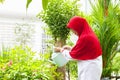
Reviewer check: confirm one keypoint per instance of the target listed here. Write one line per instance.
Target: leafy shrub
(57, 15)
(18, 64)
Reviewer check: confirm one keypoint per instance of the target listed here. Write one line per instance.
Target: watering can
(59, 59)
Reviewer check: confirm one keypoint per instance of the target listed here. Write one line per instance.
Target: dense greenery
(107, 26)
(18, 63)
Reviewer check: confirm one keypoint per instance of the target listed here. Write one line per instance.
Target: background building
(14, 16)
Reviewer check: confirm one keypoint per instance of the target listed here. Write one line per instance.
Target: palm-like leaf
(28, 3)
(44, 3)
(107, 29)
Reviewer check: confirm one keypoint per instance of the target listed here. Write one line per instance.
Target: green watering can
(59, 59)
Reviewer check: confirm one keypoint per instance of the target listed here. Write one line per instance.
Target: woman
(87, 50)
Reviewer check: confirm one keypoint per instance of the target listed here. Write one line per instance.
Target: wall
(8, 36)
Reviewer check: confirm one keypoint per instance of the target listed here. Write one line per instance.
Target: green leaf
(28, 2)
(1, 1)
(44, 4)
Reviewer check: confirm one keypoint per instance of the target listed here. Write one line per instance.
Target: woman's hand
(57, 49)
(66, 47)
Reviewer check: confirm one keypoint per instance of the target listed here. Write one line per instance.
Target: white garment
(67, 55)
(87, 69)
(90, 69)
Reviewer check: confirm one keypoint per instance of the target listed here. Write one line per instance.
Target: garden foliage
(18, 64)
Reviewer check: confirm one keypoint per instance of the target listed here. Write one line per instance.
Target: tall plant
(56, 16)
(106, 19)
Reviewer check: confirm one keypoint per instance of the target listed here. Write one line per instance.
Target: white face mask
(73, 38)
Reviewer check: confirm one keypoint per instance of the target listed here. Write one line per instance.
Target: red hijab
(87, 46)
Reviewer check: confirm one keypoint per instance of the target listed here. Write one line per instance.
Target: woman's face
(74, 32)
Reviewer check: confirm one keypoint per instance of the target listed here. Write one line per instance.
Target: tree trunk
(106, 5)
(61, 70)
